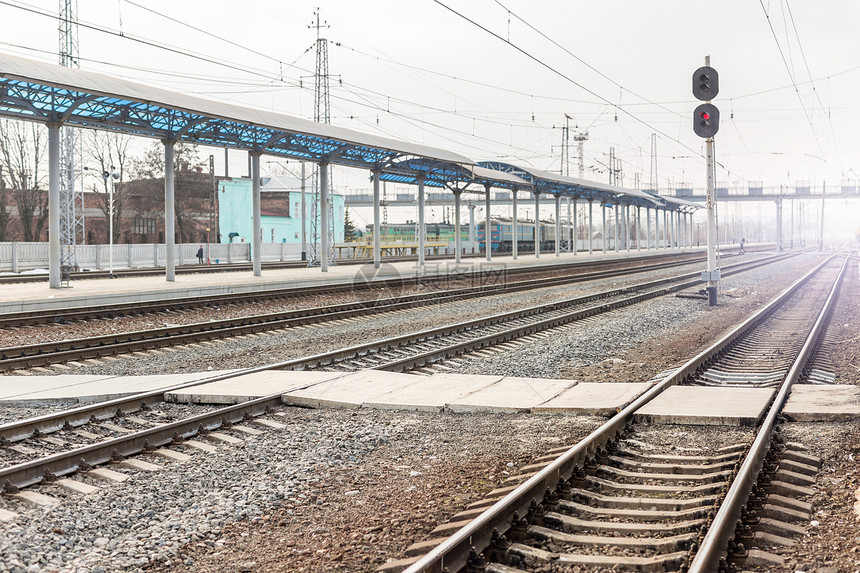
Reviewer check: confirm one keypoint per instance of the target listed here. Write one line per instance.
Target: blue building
(280, 210)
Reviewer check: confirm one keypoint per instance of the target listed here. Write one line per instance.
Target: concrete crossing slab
(432, 393)
(593, 398)
(14, 388)
(708, 406)
(511, 394)
(68, 388)
(823, 403)
(350, 390)
(249, 386)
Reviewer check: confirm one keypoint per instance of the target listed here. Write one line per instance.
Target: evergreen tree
(348, 226)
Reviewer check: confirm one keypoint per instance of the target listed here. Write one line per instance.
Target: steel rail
(64, 463)
(714, 544)
(297, 317)
(23, 429)
(89, 312)
(430, 356)
(453, 552)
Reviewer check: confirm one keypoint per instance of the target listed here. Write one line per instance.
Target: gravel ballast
(347, 490)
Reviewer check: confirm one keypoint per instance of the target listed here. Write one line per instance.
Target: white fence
(23, 257)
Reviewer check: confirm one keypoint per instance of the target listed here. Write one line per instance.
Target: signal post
(706, 123)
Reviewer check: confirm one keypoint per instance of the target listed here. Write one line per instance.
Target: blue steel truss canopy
(47, 93)
(455, 176)
(556, 184)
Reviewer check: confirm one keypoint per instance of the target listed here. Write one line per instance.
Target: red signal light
(706, 116)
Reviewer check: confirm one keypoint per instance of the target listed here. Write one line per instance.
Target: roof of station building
(48, 93)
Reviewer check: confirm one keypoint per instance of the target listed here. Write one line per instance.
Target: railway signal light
(706, 120)
(706, 83)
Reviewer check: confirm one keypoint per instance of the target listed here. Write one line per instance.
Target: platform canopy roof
(48, 93)
(557, 184)
(460, 177)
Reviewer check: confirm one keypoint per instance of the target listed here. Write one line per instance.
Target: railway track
(481, 277)
(483, 332)
(47, 353)
(618, 501)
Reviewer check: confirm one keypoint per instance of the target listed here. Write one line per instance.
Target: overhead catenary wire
(791, 76)
(565, 76)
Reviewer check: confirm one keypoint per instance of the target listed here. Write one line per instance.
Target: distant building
(280, 211)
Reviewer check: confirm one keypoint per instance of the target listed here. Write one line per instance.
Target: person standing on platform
(200, 255)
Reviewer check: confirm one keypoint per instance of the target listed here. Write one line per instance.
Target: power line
(564, 76)
(583, 62)
(790, 75)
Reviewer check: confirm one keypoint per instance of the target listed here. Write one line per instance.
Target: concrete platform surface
(72, 388)
(249, 386)
(823, 403)
(594, 398)
(708, 406)
(20, 297)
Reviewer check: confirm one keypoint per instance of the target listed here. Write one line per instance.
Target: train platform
(25, 297)
(374, 389)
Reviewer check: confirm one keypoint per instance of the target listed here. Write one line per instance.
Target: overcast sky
(418, 71)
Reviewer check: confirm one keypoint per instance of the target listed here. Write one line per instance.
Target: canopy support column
(169, 212)
(304, 215)
(488, 240)
(472, 232)
(537, 225)
(569, 226)
(256, 243)
(574, 236)
(648, 228)
(590, 226)
(666, 237)
(617, 229)
(377, 244)
(421, 227)
(54, 255)
(457, 237)
(515, 235)
(603, 212)
(690, 224)
(324, 222)
(638, 227)
(627, 227)
(558, 225)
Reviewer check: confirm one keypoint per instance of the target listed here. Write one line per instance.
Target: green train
(406, 232)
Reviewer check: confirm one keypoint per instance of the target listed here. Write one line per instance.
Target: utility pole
(322, 211)
(71, 200)
(612, 166)
(580, 139)
(565, 146)
(653, 183)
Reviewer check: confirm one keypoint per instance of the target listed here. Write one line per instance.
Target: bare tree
(187, 165)
(108, 153)
(4, 214)
(21, 155)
